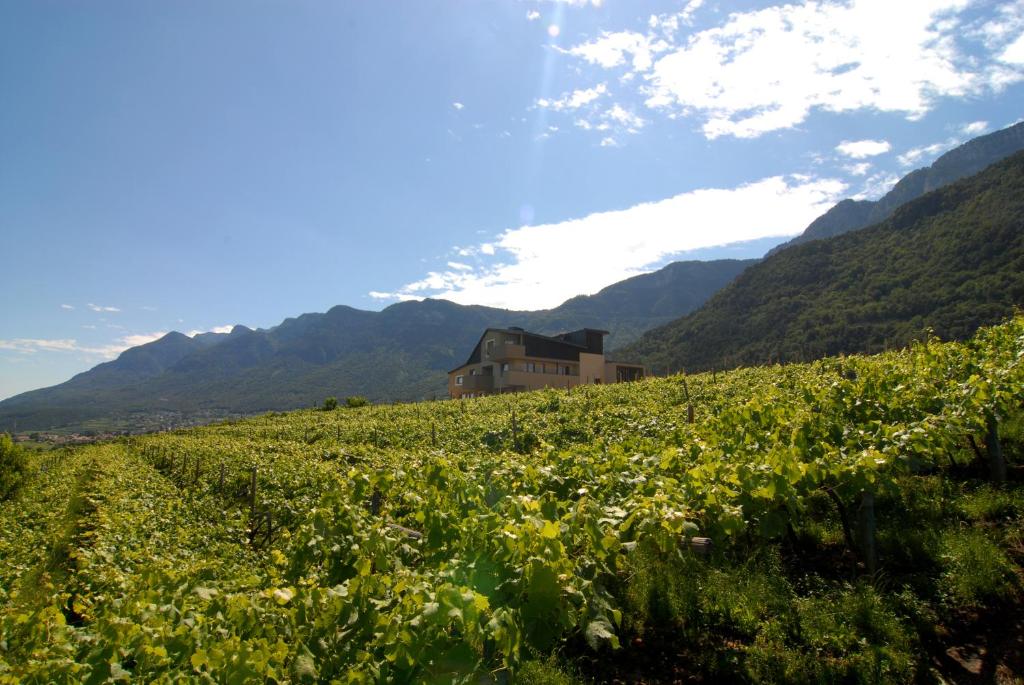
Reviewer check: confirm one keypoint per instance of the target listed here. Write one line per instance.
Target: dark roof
(564, 346)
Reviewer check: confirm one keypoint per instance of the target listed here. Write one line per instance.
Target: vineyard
(857, 519)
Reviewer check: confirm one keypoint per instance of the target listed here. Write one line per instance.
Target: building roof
(563, 346)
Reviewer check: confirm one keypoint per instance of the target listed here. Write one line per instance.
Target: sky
(190, 165)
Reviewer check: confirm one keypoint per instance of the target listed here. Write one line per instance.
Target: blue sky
(191, 165)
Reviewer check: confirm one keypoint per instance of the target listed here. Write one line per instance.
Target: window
(474, 372)
(504, 367)
(531, 367)
(489, 348)
(511, 340)
(458, 380)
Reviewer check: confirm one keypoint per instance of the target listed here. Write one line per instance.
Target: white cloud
(1014, 52)
(575, 99)
(615, 119)
(974, 128)
(33, 345)
(110, 351)
(141, 338)
(625, 118)
(767, 69)
(458, 105)
(66, 306)
(877, 185)
(608, 141)
(612, 49)
(543, 265)
(101, 308)
(860, 169)
(216, 329)
(862, 149)
(532, 15)
(460, 266)
(926, 153)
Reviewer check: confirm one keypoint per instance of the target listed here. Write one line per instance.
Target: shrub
(354, 401)
(330, 404)
(12, 466)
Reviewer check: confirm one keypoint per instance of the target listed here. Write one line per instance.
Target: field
(866, 519)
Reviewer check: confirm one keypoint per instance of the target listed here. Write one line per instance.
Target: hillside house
(514, 360)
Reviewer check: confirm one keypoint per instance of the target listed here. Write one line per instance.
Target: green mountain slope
(400, 353)
(958, 163)
(952, 260)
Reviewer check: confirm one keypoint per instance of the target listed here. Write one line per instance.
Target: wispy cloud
(926, 153)
(974, 128)
(101, 308)
(216, 329)
(575, 99)
(862, 149)
(458, 105)
(531, 271)
(66, 306)
(532, 15)
(72, 345)
(860, 169)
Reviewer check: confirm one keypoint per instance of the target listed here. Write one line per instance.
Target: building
(514, 360)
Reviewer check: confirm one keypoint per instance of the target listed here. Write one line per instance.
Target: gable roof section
(564, 346)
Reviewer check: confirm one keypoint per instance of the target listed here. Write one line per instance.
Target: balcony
(505, 351)
(477, 384)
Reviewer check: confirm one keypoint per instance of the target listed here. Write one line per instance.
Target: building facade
(514, 360)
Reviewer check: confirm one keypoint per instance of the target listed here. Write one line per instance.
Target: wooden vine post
(867, 531)
(996, 461)
(515, 431)
(689, 404)
(433, 434)
(220, 484)
(252, 503)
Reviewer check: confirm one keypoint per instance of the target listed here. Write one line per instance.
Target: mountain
(400, 353)
(951, 260)
(960, 162)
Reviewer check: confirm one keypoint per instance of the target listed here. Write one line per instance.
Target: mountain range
(937, 255)
(400, 353)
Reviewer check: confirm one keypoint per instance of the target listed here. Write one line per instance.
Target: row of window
(529, 367)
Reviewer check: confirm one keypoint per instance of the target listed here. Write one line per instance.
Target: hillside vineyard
(464, 541)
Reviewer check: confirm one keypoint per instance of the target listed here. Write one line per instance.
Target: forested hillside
(950, 261)
(960, 162)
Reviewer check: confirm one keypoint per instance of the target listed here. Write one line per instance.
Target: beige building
(514, 360)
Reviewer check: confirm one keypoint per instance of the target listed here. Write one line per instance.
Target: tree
(330, 404)
(356, 401)
(12, 466)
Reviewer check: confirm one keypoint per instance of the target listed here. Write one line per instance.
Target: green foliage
(330, 404)
(431, 543)
(354, 401)
(12, 466)
(976, 571)
(852, 634)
